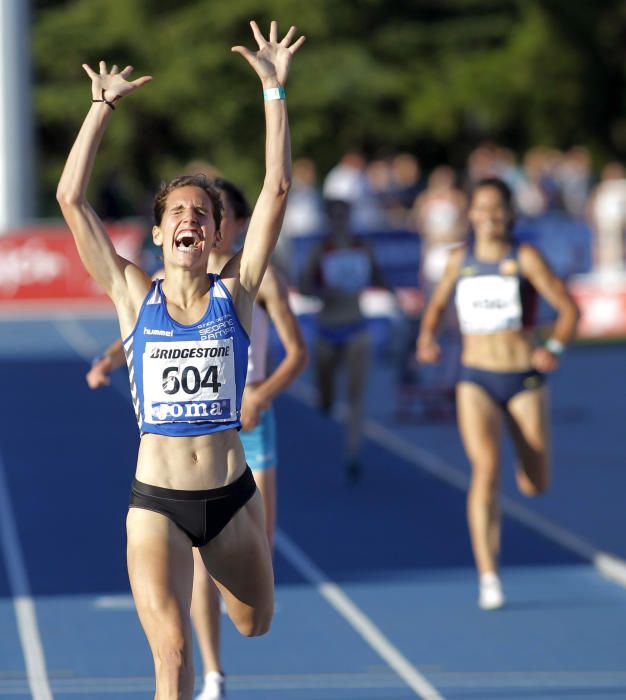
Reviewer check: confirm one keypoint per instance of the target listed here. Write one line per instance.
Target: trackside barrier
(40, 267)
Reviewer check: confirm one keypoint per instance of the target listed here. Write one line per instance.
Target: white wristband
(556, 347)
(274, 93)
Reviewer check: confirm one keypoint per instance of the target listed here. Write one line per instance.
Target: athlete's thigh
(239, 558)
(480, 425)
(201, 578)
(160, 568)
(527, 418)
(357, 362)
(327, 358)
(266, 482)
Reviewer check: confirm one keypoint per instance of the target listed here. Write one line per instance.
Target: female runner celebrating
(258, 434)
(186, 343)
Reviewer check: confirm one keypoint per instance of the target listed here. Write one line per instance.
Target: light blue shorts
(259, 444)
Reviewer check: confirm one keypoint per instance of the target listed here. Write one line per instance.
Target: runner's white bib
(489, 303)
(192, 380)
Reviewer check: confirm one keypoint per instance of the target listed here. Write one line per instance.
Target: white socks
(213, 688)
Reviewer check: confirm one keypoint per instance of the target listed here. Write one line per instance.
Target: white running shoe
(213, 688)
(490, 596)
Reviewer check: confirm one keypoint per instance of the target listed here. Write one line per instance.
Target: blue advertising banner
(564, 242)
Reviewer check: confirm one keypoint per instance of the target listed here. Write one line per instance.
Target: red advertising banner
(40, 265)
(602, 303)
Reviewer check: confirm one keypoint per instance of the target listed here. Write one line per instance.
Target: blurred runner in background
(502, 380)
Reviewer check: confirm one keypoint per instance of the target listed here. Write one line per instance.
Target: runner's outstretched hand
(114, 84)
(273, 59)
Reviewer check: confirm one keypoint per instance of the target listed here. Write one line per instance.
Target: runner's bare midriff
(190, 463)
(504, 351)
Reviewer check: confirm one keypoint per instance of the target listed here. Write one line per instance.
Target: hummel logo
(157, 331)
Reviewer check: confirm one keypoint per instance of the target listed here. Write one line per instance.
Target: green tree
(429, 76)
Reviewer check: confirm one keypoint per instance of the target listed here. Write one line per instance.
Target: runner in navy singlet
(502, 375)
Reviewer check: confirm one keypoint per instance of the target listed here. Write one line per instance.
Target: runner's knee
(533, 483)
(252, 622)
(533, 476)
(173, 661)
(485, 478)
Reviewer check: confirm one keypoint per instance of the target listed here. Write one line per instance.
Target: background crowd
(393, 193)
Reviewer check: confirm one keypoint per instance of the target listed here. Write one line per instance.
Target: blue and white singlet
(187, 380)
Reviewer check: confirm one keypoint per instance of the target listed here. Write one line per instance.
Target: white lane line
(121, 601)
(536, 680)
(124, 601)
(76, 336)
(87, 686)
(356, 618)
(610, 566)
(567, 682)
(25, 614)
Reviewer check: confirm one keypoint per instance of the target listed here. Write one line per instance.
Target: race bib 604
(189, 381)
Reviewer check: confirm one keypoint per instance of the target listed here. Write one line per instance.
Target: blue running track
(376, 591)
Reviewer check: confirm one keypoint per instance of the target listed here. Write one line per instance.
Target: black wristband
(106, 102)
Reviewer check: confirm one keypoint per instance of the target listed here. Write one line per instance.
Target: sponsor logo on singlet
(158, 331)
(490, 303)
(216, 329)
(184, 353)
(192, 411)
(508, 267)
